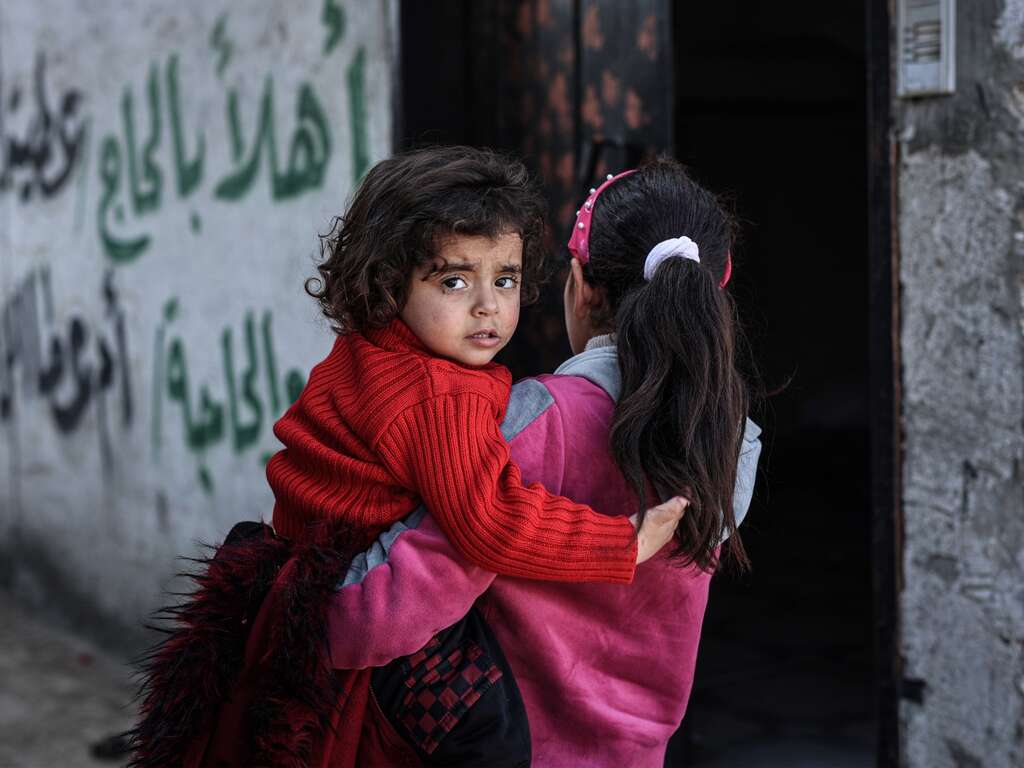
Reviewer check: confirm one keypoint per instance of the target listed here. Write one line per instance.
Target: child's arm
(450, 450)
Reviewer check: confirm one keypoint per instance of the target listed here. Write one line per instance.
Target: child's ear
(580, 291)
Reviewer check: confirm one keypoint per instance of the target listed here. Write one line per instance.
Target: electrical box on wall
(927, 47)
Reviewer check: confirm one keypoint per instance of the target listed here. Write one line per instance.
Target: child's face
(465, 304)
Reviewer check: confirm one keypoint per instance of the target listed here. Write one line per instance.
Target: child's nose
(487, 301)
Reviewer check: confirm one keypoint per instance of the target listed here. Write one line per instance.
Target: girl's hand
(660, 523)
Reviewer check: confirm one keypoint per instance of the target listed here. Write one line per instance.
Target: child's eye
(454, 283)
(506, 282)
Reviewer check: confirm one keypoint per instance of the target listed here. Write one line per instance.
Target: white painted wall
(153, 324)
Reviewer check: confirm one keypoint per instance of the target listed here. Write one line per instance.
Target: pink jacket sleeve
(415, 586)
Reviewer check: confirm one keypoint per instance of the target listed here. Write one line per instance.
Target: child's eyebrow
(449, 266)
(468, 266)
(457, 266)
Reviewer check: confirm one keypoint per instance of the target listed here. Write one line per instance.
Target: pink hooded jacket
(605, 671)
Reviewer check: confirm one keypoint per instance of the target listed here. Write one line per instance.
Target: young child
(422, 282)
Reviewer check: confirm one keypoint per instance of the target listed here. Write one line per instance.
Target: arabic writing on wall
(157, 150)
(132, 177)
(253, 393)
(70, 366)
(41, 157)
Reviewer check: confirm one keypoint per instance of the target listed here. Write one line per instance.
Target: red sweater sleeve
(449, 449)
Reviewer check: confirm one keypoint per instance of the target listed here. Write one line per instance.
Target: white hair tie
(682, 247)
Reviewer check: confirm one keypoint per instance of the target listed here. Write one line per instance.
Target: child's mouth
(485, 338)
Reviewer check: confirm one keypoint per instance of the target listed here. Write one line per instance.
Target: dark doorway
(771, 110)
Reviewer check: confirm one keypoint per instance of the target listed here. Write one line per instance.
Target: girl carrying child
(422, 282)
(605, 672)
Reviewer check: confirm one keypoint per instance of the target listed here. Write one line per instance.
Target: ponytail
(680, 417)
(678, 425)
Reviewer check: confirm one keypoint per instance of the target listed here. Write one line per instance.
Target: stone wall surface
(164, 171)
(961, 233)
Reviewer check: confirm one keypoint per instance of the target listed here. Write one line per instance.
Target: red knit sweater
(383, 425)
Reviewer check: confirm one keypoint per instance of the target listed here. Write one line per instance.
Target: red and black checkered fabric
(456, 701)
(442, 689)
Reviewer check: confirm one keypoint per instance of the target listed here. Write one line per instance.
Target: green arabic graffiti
(246, 409)
(118, 249)
(206, 427)
(245, 434)
(189, 172)
(220, 43)
(333, 18)
(308, 154)
(127, 153)
(145, 186)
(356, 77)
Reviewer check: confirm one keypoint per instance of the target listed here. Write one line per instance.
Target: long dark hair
(401, 210)
(678, 425)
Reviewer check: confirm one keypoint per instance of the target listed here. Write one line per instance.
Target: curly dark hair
(403, 208)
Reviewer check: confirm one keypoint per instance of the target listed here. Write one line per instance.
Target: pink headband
(579, 243)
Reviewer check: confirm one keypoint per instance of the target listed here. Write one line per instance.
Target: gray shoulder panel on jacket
(377, 554)
(599, 366)
(529, 399)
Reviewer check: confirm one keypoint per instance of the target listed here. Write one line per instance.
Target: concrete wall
(164, 171)
(961, 230)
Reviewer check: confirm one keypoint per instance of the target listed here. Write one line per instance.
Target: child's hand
(660, 523)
